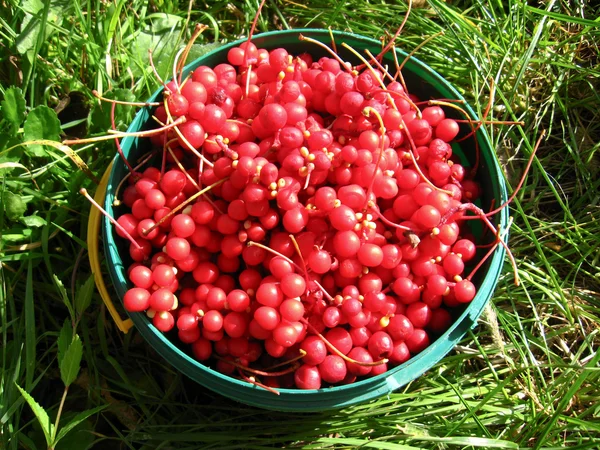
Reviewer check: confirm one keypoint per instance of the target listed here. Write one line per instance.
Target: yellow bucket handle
(93, 236)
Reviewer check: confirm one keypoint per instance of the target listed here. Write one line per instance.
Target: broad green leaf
(162, 37)
(199, 50)
(84, 296)
(73, 423)
(65, 297)
(13, 108)
(8, 237)
(12, 156)
(31, 26)
(64, 340)
(41, 123)
(14, 206)
(71, 362)
(33, 221)
(40, 414)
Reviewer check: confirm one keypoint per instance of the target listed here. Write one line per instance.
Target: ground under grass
(526, 376)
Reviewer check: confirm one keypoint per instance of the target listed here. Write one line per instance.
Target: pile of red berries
(305, 225)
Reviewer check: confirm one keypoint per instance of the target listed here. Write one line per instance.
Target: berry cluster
(306, 225)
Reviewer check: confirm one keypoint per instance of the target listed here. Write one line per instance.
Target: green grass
(527, 376)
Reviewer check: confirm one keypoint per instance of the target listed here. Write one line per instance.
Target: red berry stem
(183, 205)
(385, 220)
(473, 130)
(485, 113)
(261, 373)
(390, 44)
(189, 146)
(398, 72)
(447, 100)
(145, 159)
(367, 112)
(301, 269)
(84, 192)
(99, 96)
(252, 28)
(334, 349)
(487, 255)
(198, 30)
(251, 380)
(418, 47)
(333, 53)
(522, 180)
(118, 134)
(117, 143)
(289, 361)
(158, 77)
(383, 70)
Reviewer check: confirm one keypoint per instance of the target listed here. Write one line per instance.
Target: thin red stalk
(304, 269)
(398, 71)
(414, 161)
(522, 180)
(510, 255)
(493, 247)
(334, 349)
(333, 46)
(189, 146)
(185, 172)
(84, 192)
(398, 31)
(261, 373)
(183, 205)
(289, 361)
(389, 222)
(252, 28)
(418, 47)
(378, 64)
(301, 269)
(158, 77)
(197, 32)
(488, 122)
(447, 100)
(329, 50)
(256, 383)
(117, 143)
(120, 185)
(122, 102)
(402, 95)
(112, 135)
(473, 130)
(382, 130)
(175, 64)
(485, 113)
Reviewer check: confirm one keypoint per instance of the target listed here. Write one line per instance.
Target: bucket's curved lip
(474, 309)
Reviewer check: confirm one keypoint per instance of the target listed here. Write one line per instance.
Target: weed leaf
(71, 361)
(41, 123)
(64, 340)
(14, 206)
(77, 420)
(65, 297)
(13, 108)
(40, 414)
(84, 296)
(33, 221)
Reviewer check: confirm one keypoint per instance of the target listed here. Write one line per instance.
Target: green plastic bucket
(421, 81)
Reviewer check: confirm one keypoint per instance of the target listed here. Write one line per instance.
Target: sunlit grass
(526, 376)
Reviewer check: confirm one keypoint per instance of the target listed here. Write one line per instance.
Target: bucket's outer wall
(421, 81)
